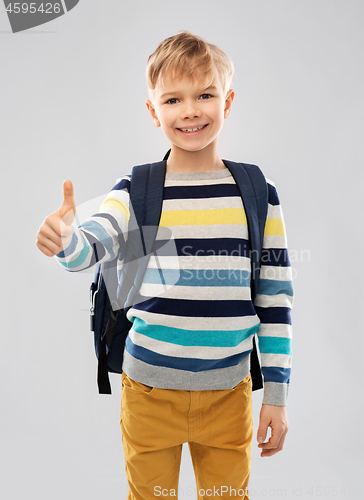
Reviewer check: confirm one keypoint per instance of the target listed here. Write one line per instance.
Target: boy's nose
(190, 111)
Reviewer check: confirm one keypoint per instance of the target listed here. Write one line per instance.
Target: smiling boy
(182, 105)
(186, 371)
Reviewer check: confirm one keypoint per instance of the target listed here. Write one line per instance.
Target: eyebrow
(212, 87)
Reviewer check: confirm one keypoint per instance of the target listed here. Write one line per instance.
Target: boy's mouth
(192, 130)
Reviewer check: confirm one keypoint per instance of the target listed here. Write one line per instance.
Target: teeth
(192, 129)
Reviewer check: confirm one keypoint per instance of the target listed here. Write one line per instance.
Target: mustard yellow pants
(217, 425)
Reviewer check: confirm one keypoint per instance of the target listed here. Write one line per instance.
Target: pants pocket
(134, 387)
(243, 383)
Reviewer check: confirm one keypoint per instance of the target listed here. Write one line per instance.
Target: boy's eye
(174, 99)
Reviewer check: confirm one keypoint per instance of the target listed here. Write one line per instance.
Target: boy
(186, 361)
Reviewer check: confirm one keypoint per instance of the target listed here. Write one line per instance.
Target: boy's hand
(56, 230)
(276, 418)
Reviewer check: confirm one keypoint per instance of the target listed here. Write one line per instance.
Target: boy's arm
(103, 236)
(273, 305)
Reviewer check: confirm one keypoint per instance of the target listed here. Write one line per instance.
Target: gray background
(72, 103)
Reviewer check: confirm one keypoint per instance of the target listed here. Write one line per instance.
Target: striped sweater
(194, 319)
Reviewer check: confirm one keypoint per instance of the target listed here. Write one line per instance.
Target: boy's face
(183, 105)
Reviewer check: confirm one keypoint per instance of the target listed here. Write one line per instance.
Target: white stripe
(276, 273)
(194, 323)
(126, 177)
(275, 330)
(274, 212)
(276, 241)
(210, 231)
(119, 194)
(229, 179)
(198, 262)
(279, 300)
(202, 203)
(196, 292)
(282, 360)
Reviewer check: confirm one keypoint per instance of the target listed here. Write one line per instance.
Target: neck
(204, 160)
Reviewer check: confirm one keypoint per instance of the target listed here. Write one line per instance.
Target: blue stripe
(275, 257)
(152, 276)
(189, 364)
(80, 259)
(195, 308)
(101, 234)
(276, 374)
(274, 314)
(200, 191)
(199, 277)
(71, 248)
(112, 221)
(98, 250)
(118, 230)
(179, 336)
(123, 184)
(274, 287)
(234, 247)
(272, 195)
(275, 345)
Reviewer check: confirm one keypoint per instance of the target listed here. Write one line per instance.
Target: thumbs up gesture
(56, 230)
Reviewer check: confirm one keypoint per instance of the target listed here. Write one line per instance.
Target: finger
(263, 429)
(68, 194)
(269, 453)
(278, 428)
(273, 441)
(273, 451)
(68, 207)
(44, 249)
(51, 229)
(51, 245)
(52, 240)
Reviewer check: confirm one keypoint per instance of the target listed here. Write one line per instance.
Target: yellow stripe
(203, 217)
(118, 205)
(274, 227)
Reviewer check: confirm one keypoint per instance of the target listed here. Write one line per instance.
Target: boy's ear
(228, 102)
(152, 112)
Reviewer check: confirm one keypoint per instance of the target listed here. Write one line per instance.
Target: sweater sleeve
(273, 304)
(101, 237)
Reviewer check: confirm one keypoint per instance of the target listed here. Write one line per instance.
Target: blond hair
(188, 55)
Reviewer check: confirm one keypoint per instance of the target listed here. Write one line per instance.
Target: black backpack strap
(260, 189)
(258, 186)
(103, 380)
(254, 192)
(146, 198)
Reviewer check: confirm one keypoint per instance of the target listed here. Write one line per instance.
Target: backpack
(110, 306)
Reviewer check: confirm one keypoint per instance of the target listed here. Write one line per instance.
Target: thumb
(263, 429)
(68, 207)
